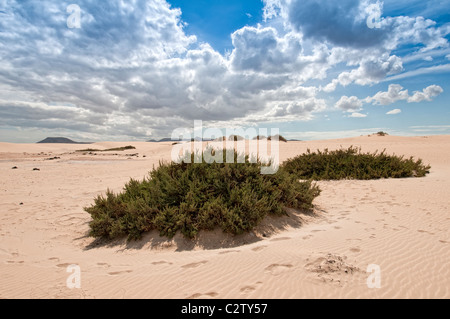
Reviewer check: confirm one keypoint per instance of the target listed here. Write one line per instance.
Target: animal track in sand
(277, 269)
(259, 248)
(116, 273)
(194, 265)
(204, 296)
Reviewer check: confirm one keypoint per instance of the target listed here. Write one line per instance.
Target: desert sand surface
(400, 225)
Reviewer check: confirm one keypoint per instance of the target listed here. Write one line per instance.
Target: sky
(137, 70)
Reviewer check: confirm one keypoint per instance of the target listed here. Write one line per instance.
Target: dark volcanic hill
(160, 141)
(58, 140)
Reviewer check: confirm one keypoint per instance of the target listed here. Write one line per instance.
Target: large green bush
(351, 163)
(193, 197)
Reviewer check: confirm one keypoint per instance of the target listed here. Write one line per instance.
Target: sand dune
(400, 225)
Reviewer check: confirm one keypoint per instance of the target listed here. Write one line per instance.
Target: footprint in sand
(54, 259)
(259, 248)
(317, 230)
(444, 242)
(156, 263)
(70, 220)
(194, 265)
(250, 288)
(355, 250)
(15, 262)
(63, 265)
(247, 289)
(104, 265)
(277, 269)
(204, 296)
(116, 273)
(337, 227)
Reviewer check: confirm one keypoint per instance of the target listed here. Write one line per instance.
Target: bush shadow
(212, 240)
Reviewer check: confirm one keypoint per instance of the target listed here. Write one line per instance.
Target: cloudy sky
(138, 69)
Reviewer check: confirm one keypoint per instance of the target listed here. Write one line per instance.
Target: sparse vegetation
(189, 198)
(117, 149)
(382, 134)
(235, 138)
(260, 137)
(280, 138)
(351, 163)
(194, 197)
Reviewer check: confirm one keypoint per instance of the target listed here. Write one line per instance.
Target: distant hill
(176, 140)
(161, 141)
(59, 140)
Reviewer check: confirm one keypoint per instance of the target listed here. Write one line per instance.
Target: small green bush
(351, 163)
(280, 138)
(193, 197)
(236, 138)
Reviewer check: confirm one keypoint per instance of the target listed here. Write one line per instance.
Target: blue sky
(314, 69)
(213, 21)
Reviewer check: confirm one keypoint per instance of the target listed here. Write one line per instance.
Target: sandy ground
(402, 226)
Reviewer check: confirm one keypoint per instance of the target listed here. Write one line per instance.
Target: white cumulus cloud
(349, 104)
(358, 115)
(396, 93)
(394, 112)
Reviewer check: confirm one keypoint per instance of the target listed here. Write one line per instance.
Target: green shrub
(280, 138)
(353, 164)
(193, 197)
(236, 138)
